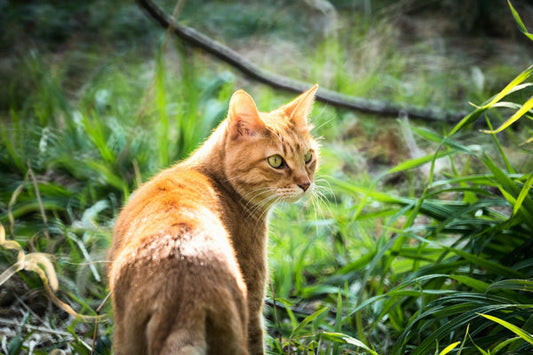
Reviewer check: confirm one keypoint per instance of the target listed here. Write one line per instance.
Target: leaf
(483, 352)
(528, 105)
(414, 163)
(487, 264)
(521, 333)
(475, 284)
(512, 284)
(506, 91)
(15, 345)
(519, 22)
(528, 141)
(503, 344)
(523, 194)
(449, 348)
(348, 340)
(307, 320)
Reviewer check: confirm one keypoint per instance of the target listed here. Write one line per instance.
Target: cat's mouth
(293, 194)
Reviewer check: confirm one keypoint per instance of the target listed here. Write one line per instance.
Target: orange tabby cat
(188, 256)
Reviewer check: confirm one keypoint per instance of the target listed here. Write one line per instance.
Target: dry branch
(255, 72)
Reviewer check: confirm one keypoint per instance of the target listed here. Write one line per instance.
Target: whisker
(323, 124)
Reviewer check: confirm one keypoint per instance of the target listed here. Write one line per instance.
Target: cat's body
(188, 256)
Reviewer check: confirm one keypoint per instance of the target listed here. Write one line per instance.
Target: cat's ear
(299, 109)
(243, 116)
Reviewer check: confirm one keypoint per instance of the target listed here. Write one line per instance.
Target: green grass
(437, 263)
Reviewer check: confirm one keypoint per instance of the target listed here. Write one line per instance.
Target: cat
(189, 262)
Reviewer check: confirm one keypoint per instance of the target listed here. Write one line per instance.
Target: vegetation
(397, 253)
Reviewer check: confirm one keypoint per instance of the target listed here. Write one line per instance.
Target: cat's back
(172, 254)
(175, 196)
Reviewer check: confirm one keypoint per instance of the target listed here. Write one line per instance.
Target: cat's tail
(184, 342)
(209, 332)
(184, 338)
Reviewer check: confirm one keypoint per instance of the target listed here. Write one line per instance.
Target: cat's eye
(275, 161)
(308, 156)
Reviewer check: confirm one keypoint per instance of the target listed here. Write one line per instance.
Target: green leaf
(521, 333)
(483, 352)
(506, 91)
(15, 345)
(504, 343)
(307, 320)
(487, 264)
(523, 194)
(414, 163)
(512, 284)
(528, 105)
(510, 87)
(346, 339)
(449, 348)
(519, 22)
(475, 284)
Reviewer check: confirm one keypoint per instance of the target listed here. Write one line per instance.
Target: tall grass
(442, 266)
(446, 269)
(66, 167)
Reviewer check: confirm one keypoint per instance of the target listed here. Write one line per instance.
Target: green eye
(308, 156)
(275, 161)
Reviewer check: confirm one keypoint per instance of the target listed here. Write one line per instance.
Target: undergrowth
(442, 264)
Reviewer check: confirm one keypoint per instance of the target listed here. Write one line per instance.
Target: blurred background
(96, 97)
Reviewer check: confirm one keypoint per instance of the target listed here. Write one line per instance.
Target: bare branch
(255, 72)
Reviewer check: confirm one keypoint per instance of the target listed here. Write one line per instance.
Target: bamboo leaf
(509, 88)
(528, 141)
(512, 284)
(449, 348)
(414, 163)
(506, 91)
(523, 194)
(487, 264)
(519, 22)
(307, 320)
(348, 340)
(521, 333)
(504, 343)
(528, 105)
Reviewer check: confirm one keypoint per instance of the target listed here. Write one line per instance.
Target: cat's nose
(304, 185)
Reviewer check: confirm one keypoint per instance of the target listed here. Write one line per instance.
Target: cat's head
(271, 157)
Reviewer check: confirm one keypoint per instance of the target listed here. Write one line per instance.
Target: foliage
(441, 264)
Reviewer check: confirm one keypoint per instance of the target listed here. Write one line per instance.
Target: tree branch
(255, 72)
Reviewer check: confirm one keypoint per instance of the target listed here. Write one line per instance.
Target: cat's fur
(188, 256)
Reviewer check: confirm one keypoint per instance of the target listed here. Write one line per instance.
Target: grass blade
(519, 22)
(512, 284)
(507, 90)
(307, 320)
(521, 333)
(523, 194)
(528, 105)
(348, 340)
(449, 348)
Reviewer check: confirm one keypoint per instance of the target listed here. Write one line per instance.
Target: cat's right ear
(243, 116)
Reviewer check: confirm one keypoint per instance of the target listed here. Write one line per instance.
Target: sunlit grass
(366, 267)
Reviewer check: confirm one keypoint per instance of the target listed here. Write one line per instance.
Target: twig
(41, 207)
(275, 310)
(86, 255)
(255, 72)
(300, 310)
(34, 327)
(98, 310)
(12, 201)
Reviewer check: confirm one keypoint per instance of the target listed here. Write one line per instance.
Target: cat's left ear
(299, 109)
(244, 118)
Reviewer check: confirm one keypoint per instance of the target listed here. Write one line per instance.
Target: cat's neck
(209, 160)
